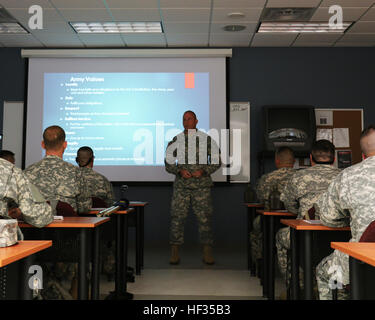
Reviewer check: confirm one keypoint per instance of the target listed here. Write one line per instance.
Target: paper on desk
(313, 221)
(58, 218)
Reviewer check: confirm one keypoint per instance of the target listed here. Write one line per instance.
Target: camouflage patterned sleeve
(35, 210)
(260, 188)
(171, 154)
(289, 196)
(213, 152)
(110, 197)
(331, 205)
(83, 199)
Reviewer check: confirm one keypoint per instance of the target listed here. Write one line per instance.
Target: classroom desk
(139, 207)
(305, 230)
(361, 254)
(268, 225)
(251, 208)
(22, 250)
(84, 224)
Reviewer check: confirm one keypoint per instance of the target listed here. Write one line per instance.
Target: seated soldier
(8, 155)
(349, 200)
(302, 191)
(284, 161)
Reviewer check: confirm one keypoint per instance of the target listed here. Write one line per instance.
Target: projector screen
(125, 109)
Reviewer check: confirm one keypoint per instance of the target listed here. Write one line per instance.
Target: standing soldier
(349, 200)
(302, 191)
(198, 156)
(284, 162)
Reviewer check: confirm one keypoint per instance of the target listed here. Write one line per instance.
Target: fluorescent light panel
(301, 27)
(116, 27)
(11, 27)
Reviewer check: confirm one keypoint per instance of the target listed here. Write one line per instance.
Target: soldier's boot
(74, 288)
(207, 255)
(175, 259)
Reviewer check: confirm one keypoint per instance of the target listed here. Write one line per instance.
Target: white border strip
(125, 53)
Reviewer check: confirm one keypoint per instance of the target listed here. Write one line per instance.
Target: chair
(98, 203)
(367, 236)
(65, 209)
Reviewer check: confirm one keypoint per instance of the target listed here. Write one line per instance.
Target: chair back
(65, 209)
(98, 203)
(369, 234)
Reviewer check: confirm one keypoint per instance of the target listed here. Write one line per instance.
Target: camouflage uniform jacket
(350, 198)
(268, 181)
(305, 187)
(99, 186)
(181, 154)
(14, 185)
(59, 180)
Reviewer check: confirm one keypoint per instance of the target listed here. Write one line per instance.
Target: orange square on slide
(189, 80)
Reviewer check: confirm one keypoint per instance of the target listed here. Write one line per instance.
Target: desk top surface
(138, 203)
(284, 213)
(364, 251)
(72, 222)
(21, 250)
(254, 205)
(303, 225)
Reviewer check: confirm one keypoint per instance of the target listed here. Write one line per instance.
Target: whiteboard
(239, 118)
(13, 129)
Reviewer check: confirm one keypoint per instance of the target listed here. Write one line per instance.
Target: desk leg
(295, 264)
(265, 256)
(142, 230)
(356, 291)
(82, 267)
(124, 264)
(250, 262)
(308, 272)
(26, 292)
(95, 265)
(271, 258)
(118, 255)
(138, 241)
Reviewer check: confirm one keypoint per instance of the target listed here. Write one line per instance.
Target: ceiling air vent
(287, 14)
(5, 16)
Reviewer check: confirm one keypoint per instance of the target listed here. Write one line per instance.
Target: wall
(322, 77)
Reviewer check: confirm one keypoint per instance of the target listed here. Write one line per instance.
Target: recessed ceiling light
(11, 27)
(117, 27)
(234, 27)
(236, 15)
(301, 27)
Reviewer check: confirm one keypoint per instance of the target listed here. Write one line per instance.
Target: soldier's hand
(185, 174)
(198, 173)
(15, 213)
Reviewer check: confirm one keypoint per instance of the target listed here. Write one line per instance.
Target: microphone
(121, 204)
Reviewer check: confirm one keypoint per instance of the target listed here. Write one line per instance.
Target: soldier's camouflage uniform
(277, 178)
(100, 187)
(203, 154)
(349, 200)
(298, 196)
(59, 180)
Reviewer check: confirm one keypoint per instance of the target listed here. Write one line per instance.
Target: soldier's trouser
(333, 273)
(256, 239)
(201, 202)
(283, 245)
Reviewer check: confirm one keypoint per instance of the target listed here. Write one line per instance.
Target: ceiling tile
(362, 27)
(239, 4)
(23, 16)
(132, 4)
(135, 14)
(347, 3)
(223, 39)
(218, 28)
(173, 27)
(185, 4)
(355, 44)
(358, 37)
(86, 15)
(61, 4)
(313, 44)
(292, 3)
(59, 40)
(250, 14)
(19, 41)
(349, 14)
(25, 3)
(369, 15)
(101, 40)
(189, 40)
(272, 40)
(145, 40)
(318, 37)
(180, 15)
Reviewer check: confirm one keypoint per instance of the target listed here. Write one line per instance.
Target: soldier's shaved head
(53, 138)
(367, 141)
(285, 156)
(85, 156)
(323, 151)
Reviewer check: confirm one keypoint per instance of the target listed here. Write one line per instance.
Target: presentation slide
(125, 109)
(126, 118)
